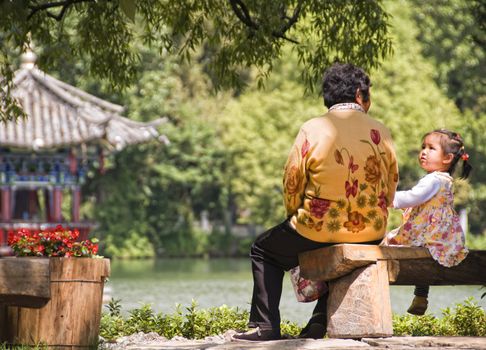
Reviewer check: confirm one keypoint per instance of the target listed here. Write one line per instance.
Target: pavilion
(67, 133)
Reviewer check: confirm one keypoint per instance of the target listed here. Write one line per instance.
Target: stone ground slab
(153, 341)
(429, 342)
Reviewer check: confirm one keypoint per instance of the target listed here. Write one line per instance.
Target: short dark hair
(341, 81)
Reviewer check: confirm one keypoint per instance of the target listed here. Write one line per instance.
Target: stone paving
(153, 341)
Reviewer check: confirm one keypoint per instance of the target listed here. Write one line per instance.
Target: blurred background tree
(227, 148)
(235, 35)
(453, 37)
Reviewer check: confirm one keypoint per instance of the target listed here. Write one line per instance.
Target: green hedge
(465, 319)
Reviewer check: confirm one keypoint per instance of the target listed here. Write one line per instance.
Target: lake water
(164, 283)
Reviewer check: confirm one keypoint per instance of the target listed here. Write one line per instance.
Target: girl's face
(432, 157)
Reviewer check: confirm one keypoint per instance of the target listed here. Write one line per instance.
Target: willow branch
(241, 11)
(64, 4)
(292, 20)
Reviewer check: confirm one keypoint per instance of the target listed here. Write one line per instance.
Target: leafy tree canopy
(234, 35)
(453, 34)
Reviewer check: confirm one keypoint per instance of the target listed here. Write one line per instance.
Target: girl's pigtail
(466, 167)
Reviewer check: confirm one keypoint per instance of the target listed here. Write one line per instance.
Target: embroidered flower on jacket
(378, 224)
(339, 157)
(382, 203)
(333, 213)
(372, 170)
(319, 207)
(305, 148)
(356, 222)
(333, 226)
(292, 180)
(375, 136)
(353, 167)
(361, 201)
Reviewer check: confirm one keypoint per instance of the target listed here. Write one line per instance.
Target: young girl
(429, 219)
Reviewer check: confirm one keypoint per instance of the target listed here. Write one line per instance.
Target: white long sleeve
(424, 190)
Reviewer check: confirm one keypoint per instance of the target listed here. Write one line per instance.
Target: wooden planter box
(70, 315)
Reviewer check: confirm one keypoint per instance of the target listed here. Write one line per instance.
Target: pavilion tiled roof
(60, 115)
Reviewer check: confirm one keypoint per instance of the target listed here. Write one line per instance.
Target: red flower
(305, 148)
(351, 189)
(319, 207)
(351, 166)
(375, 136)
(54, 242)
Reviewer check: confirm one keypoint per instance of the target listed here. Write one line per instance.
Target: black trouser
(421, 291)
(274, 252)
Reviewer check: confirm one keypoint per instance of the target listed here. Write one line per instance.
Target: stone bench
(359, 277)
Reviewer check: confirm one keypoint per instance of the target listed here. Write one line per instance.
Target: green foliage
(112, 323)
(476, 241)
(475, 139)
(453, 36)
(227, 149)
(466, 319)
(398, 97)
(235, 35)
(288, 328)
(227, 152)
(418, 326)
(134, 246)
(194, 323)
(258, 131)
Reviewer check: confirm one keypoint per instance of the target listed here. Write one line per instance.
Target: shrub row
(465, 319)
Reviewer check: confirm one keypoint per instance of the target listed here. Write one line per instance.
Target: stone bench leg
(359, 304)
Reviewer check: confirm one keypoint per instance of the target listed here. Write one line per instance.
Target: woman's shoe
(257, 334)
(313, 331)
(419, 305)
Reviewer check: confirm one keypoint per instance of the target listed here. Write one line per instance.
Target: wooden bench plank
(339, 260)
(24, 281)
(335, 261)
(471, 271)
(409, 264)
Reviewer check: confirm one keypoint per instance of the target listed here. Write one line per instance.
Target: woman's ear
(358, 97)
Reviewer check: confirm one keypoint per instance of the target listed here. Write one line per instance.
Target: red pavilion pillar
(6, 212)
(76, 193)
(6, 204)
(57, 201)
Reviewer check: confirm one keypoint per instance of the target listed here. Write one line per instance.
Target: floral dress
(433, 224)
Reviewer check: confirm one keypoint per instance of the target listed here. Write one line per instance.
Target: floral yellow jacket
(340, 177)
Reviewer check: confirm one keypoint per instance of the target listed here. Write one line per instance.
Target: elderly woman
(340, 177)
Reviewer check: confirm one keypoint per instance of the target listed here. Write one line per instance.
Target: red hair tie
(465, 157)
